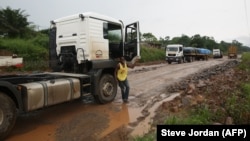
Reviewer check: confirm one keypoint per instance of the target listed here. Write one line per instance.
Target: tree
(13, 23)
(185, 40)
(236, 43)
(164, 41)
(196, 41)
(149, 37)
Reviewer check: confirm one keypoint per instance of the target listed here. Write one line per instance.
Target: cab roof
(88, 15)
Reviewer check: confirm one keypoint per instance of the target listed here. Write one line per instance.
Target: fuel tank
(41, 94)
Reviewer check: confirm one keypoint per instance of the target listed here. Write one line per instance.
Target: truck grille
(171, 54)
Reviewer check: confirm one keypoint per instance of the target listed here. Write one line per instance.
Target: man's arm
(130, 65)
(133, 62)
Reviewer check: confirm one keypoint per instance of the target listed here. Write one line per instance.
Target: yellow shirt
(122, 72)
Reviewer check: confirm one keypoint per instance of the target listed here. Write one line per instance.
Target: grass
(238, 105)
(149, 54)
(245, 64)
(32, 51)
(200, 115)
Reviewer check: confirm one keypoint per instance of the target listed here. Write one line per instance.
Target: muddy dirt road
(85, 120)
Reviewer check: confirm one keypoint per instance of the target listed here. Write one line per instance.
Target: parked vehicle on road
(232, 52)
(179, 53)
(174, 53)
(202, 53)
(189, 54)
(217, 53)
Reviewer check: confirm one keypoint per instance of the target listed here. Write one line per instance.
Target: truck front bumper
(173, 59)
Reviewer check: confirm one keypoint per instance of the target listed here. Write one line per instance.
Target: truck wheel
(108, 89)
(180, 61)
(8, 115)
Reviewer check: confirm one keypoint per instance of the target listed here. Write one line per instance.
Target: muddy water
(73, 121)
(80, 121)
(144, 125)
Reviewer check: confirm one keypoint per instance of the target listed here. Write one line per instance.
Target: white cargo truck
(174, 53)
(179, 53)
(82, 52)
(217, 53)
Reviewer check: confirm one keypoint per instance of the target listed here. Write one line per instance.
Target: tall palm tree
(13, 22)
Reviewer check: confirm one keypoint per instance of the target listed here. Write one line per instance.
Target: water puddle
(81, 121)
(135, 117)
(145, 125)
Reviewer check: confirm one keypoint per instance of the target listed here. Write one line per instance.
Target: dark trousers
(124, 85)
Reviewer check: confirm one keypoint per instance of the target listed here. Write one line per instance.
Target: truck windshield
(172, 49)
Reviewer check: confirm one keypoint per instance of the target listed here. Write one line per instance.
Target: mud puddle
(81, 121)
(145, 121)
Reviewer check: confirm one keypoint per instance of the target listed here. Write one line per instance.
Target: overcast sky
(225, 20)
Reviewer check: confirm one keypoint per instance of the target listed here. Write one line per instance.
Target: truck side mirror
(180, 49)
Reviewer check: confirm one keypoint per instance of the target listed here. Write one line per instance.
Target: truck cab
(90, 43)
(174, 53)
(217, 53)
(84, 41)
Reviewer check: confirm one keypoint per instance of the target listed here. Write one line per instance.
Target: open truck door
(132, 41)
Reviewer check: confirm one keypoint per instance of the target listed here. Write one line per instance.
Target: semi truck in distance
(232, 52)
(83, 52)
(217, 53)
(202, 54)
(174, 53)
(178, 53)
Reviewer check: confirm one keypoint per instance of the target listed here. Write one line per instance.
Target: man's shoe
(125, 100)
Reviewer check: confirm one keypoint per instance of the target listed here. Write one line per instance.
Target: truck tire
(180, 61)
(8, 115)
(108, 89)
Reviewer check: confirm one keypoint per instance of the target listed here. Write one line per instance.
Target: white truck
(179, 53)
(174, 53)
(82, 52)
(217, 53)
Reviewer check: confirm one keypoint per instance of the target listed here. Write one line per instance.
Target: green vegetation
(245, 64)
(34, 54)
(151, 54)
(148, 137)
(200, 115)
(194, 41)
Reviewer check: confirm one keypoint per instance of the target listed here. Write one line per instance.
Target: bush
(245, 64)
(31, 52)
(151, 54)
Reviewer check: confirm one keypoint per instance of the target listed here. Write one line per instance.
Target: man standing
(121, 74)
